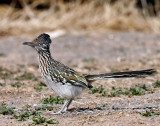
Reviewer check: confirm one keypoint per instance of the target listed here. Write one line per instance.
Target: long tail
(92, 77)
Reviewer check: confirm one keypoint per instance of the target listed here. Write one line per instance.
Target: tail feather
(128, 74)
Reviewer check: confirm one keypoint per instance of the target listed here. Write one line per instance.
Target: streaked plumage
(65, 81)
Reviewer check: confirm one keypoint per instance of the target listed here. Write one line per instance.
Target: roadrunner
(65, 81)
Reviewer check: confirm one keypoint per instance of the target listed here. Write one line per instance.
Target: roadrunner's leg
(64, 107)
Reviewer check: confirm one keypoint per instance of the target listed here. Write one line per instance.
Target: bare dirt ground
(94, 53)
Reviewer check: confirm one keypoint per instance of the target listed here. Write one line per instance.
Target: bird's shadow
(86, 109)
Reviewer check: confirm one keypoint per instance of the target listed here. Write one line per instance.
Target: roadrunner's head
(41, 43)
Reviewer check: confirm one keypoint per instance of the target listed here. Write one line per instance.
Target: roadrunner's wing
(64, 74)
(71, 77)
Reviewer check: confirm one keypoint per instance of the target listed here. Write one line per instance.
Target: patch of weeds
(44, 107)
(115, 92)
(89, 60)
(42, 84)
(42, 120)
(16, 84)
(100, 90)
(6, 110)
(36, 118)
(139, 90)
(52, 100)
(156, 84)
(26, 115)
(27, 76)
(39, 86)
(5, 73)
(134, 90)
(94, 90)
(149, 113)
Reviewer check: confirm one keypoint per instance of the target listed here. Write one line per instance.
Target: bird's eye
(41, 44)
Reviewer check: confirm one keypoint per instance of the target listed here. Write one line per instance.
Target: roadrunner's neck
(44, 58)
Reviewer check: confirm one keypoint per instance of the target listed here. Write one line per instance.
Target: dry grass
(97, 15)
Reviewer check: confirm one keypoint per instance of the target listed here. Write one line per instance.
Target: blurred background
(32, 16)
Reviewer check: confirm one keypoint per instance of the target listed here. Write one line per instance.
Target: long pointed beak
(29, 44)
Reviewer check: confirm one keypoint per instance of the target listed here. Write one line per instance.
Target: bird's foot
(58, 113)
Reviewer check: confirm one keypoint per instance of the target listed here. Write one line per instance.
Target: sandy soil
(109, 52)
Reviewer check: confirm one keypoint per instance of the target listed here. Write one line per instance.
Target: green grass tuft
(42, 84)
(42, 120)
(26, 115)
(94, 90)
(149, 113)
(6, 110)
(134, 90)
(156, 84)
(52, 100)
(36, 118)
